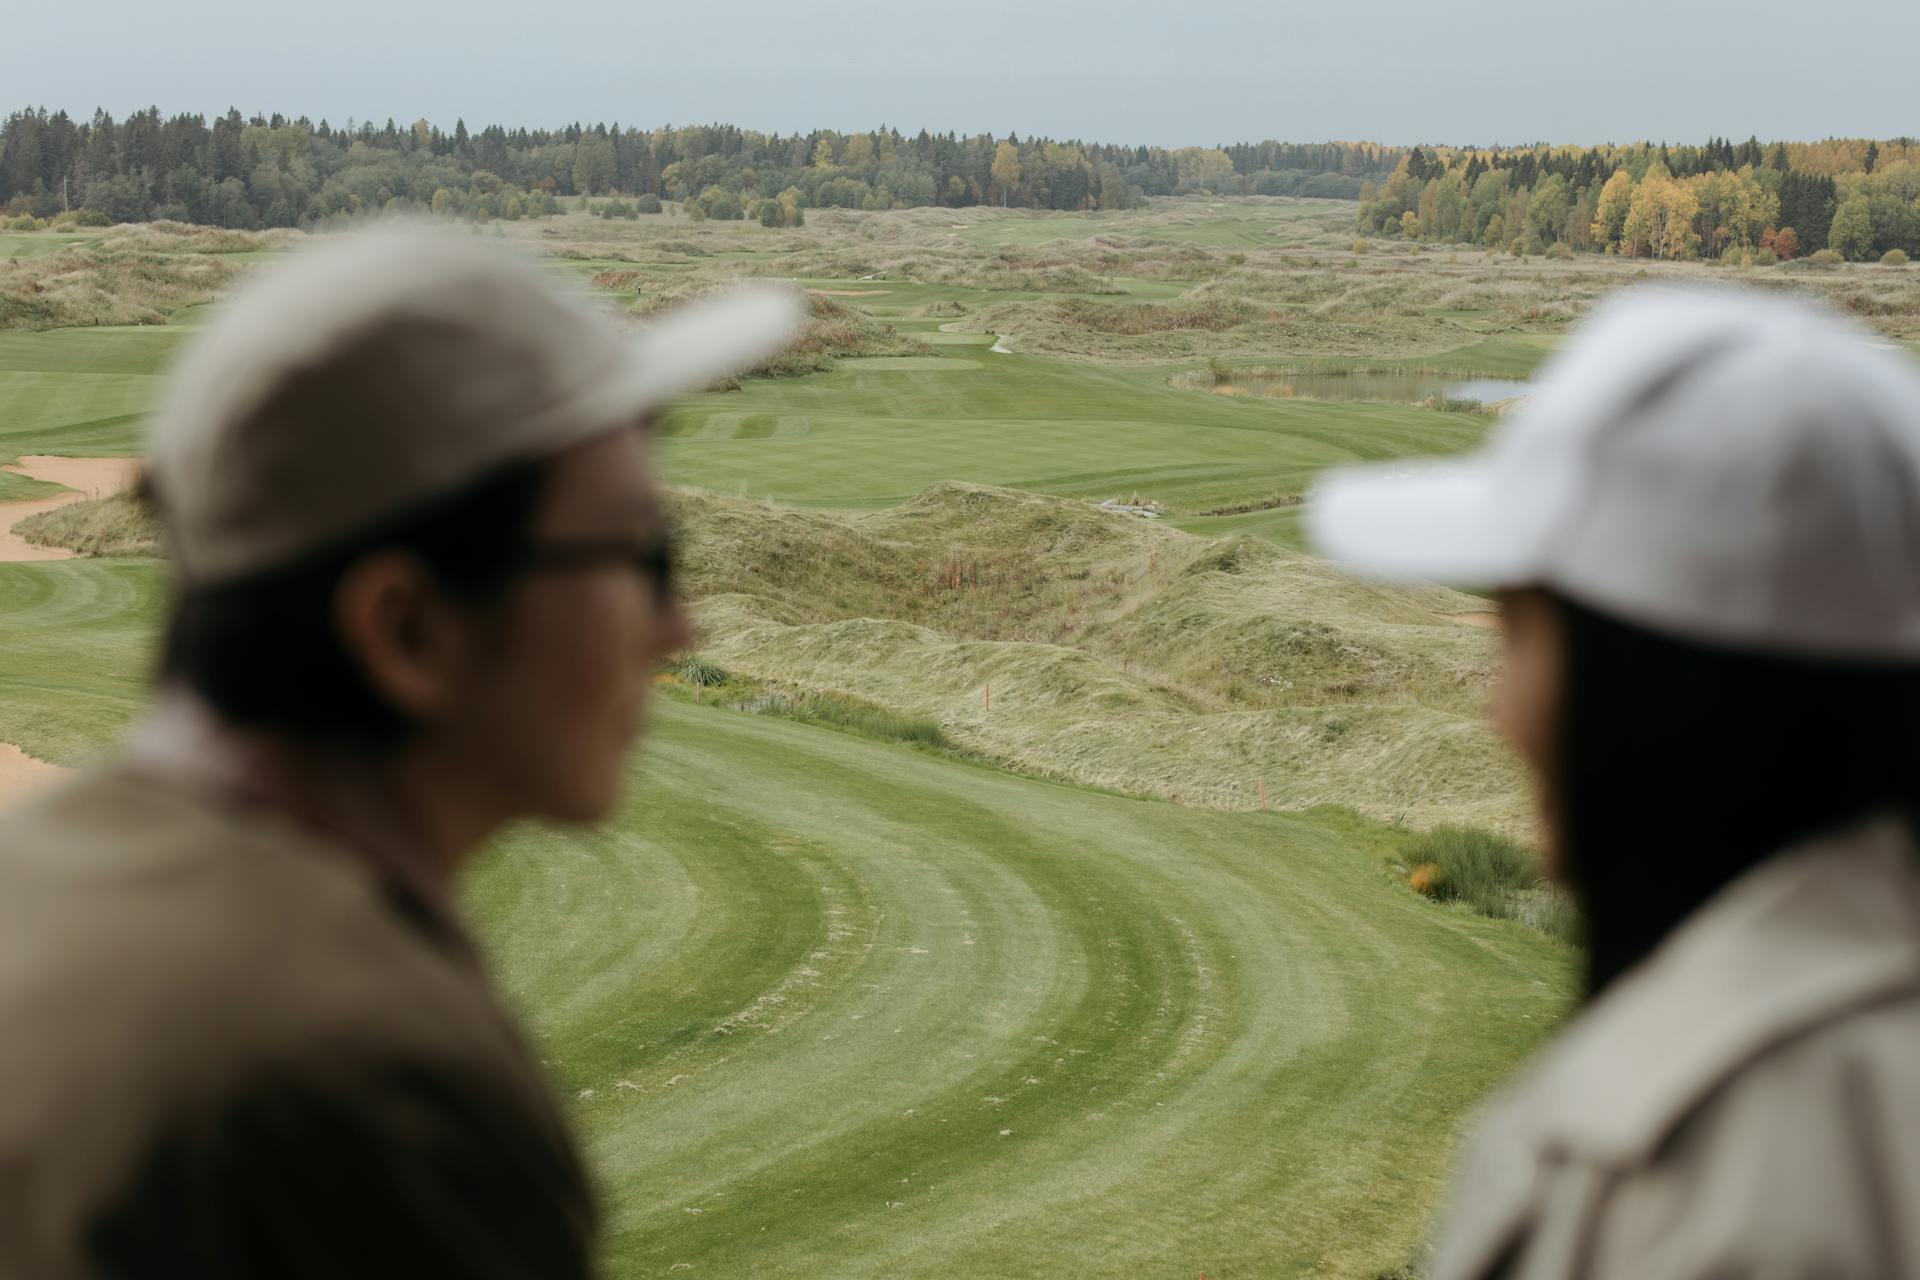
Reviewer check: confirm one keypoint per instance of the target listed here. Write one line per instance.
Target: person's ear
(408, 640)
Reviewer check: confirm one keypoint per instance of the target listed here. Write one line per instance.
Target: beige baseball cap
(380, 369)
(1722, 465)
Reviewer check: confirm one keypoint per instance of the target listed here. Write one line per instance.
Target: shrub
(1483, 869)
(1824, 258)
(719, 203)
(853, 715)
(25, 222)
(1559, 249)
(1361, 246)
(1894, 258)
(698, 672)
(1765, 258)
(648, 203)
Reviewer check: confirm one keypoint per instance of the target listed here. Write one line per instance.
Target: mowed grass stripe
(857, 438)
(77, 638)
(1219, 1040)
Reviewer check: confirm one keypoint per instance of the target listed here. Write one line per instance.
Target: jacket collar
(1804, 938)
(1808, 936)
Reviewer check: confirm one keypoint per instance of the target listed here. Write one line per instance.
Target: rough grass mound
(1075, 643)
(96, 285)
(830, 332)
(119, 524)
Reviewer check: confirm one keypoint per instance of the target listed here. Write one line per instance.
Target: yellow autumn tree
(1660, 221)
(1207, 167)
(859, 151)
(1006, 169)
(1610, 211)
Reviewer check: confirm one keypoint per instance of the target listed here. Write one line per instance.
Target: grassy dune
(1120, 653)
(826, 1006)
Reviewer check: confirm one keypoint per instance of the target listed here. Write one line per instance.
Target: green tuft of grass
(700, 673)
(1494, 875)
(1481, 868)
(851, 715)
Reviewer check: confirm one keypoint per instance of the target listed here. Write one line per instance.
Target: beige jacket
(1744, 1103)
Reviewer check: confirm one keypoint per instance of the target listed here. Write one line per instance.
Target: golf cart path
(21, 773)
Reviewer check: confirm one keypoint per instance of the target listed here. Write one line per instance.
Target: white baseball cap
(382, 369)
(1725, 466)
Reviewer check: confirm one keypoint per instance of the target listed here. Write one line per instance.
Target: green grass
(77, 642)
(864, 436)
(79, 392)
(35, 244)
(867, 434)
(872, 1011)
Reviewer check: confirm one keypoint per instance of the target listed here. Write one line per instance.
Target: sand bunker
(87, 477)
(21, 774)
(1488, 618)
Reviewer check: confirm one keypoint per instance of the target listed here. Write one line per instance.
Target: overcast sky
(1168, 72)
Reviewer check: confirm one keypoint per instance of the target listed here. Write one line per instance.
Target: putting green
(824, 1006)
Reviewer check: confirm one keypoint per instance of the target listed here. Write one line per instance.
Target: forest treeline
(1857, 197)
(269, 171)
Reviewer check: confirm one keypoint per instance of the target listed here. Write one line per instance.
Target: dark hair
(1682, 765)
(264, 650)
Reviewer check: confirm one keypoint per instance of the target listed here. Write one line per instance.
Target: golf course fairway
(828, 1006)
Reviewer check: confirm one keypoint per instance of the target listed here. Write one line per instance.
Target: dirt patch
(1487, 619)
(21, 774)
(849, 293)
(87, 477)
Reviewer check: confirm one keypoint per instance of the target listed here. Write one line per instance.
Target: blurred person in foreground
(422, 579)
(1705, 532)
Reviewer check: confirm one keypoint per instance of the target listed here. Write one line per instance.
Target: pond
(1389, 388)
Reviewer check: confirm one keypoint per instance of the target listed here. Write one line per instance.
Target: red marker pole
(1263, 792)
(988, 698)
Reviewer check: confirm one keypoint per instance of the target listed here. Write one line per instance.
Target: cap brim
(1425, 522)
(692, 347)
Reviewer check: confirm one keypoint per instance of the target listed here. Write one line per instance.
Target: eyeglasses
(652, 559)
